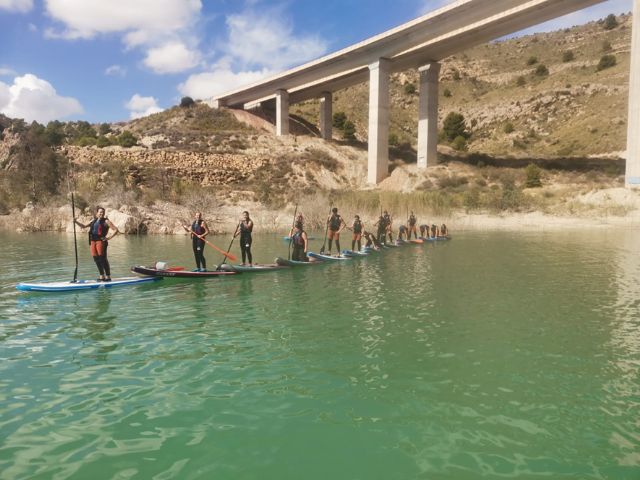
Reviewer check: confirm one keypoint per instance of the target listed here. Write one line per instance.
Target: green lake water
(494, 355)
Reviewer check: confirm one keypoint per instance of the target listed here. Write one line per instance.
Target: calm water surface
(493, 355)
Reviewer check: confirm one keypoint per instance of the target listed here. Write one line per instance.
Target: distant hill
(512, 106)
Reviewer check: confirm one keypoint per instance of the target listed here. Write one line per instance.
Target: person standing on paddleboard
(388, 223)
(412, 226)
(336, 225)
(244, 229)
(199, 230)
(99, 241)
(358, 228)
(300, 243)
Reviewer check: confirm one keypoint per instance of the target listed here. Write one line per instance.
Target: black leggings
(245, 248)
(102, 263)
(298, 254)
(198, 252)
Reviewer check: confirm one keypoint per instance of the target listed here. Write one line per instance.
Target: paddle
(293, 225)
(230, 256)
(75, 240)
(326, 231)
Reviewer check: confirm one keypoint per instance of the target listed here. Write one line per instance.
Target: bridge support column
(378, 167)
(428, 115)
(326, 115)
(282, 113)
(632, 171)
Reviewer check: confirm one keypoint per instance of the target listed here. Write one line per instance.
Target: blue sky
(111, 60)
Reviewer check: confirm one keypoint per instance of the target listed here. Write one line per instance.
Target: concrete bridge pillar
(326, 115)
(428, 115)
(378, 167)
(632, 172)
(282, 113)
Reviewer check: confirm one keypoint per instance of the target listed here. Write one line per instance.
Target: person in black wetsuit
(198, 227)
(244, 229)
(412, 226)
(300, 243)
(99, 241)
(357, 227)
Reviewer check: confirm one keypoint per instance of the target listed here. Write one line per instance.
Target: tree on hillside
(54, 133)
(606, 61)
(454, 126)
(542, 70)
(104, 129)
(610, 22)
(349, 130)
(186, 102)
(567, 56)
(126, 139)
(338, 119)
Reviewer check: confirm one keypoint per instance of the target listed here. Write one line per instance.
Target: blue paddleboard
(82, 284)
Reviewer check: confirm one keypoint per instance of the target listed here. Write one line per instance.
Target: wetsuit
(357, 235)
(198, 245)
(412, 226)
(382, 229)
(98, 230)
(245, 241)
(298, 248)
(387, 226)
(335, 222)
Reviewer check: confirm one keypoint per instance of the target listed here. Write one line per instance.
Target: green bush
(606, 61)
(532, 60)
(186, 102)
(610, 22)
(85, 141)
(410, 89)
(542, 70)
(568, 56)
(126, 139)
(454, 126)
(456, 75)
(338, 119)
(459, 143)
(508, 128)
(349, 130)
(534, 176)
(520, 81)
(103, 141)
(104, 129)
(606, 46)
(447, 93)
(393, 140)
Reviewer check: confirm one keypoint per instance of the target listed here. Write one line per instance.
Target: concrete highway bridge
(420, 44)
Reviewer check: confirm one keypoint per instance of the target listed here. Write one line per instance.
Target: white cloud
(33, 98)
(161, 27)
(266, 40)
(22, 6)
(6, 71)
(221, 79)
(88, 18)
(140, 106)
(172, 57)
(116, 71)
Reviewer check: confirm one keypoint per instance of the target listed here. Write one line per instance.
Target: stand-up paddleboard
(253, 268)
(286, 239)
(296, 263)
(82, 284)
(354, 253)
(417, 241)
(436, 239)
(329, 258)
(174, 273)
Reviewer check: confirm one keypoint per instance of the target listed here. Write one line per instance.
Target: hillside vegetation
(533, 124)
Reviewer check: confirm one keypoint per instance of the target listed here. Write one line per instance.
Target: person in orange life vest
(99, 241)
(199, 227)
(336, 225)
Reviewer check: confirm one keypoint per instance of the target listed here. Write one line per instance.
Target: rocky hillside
(536, 95)
(543, 102)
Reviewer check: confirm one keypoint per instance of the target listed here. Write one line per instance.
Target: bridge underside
(419, 44)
